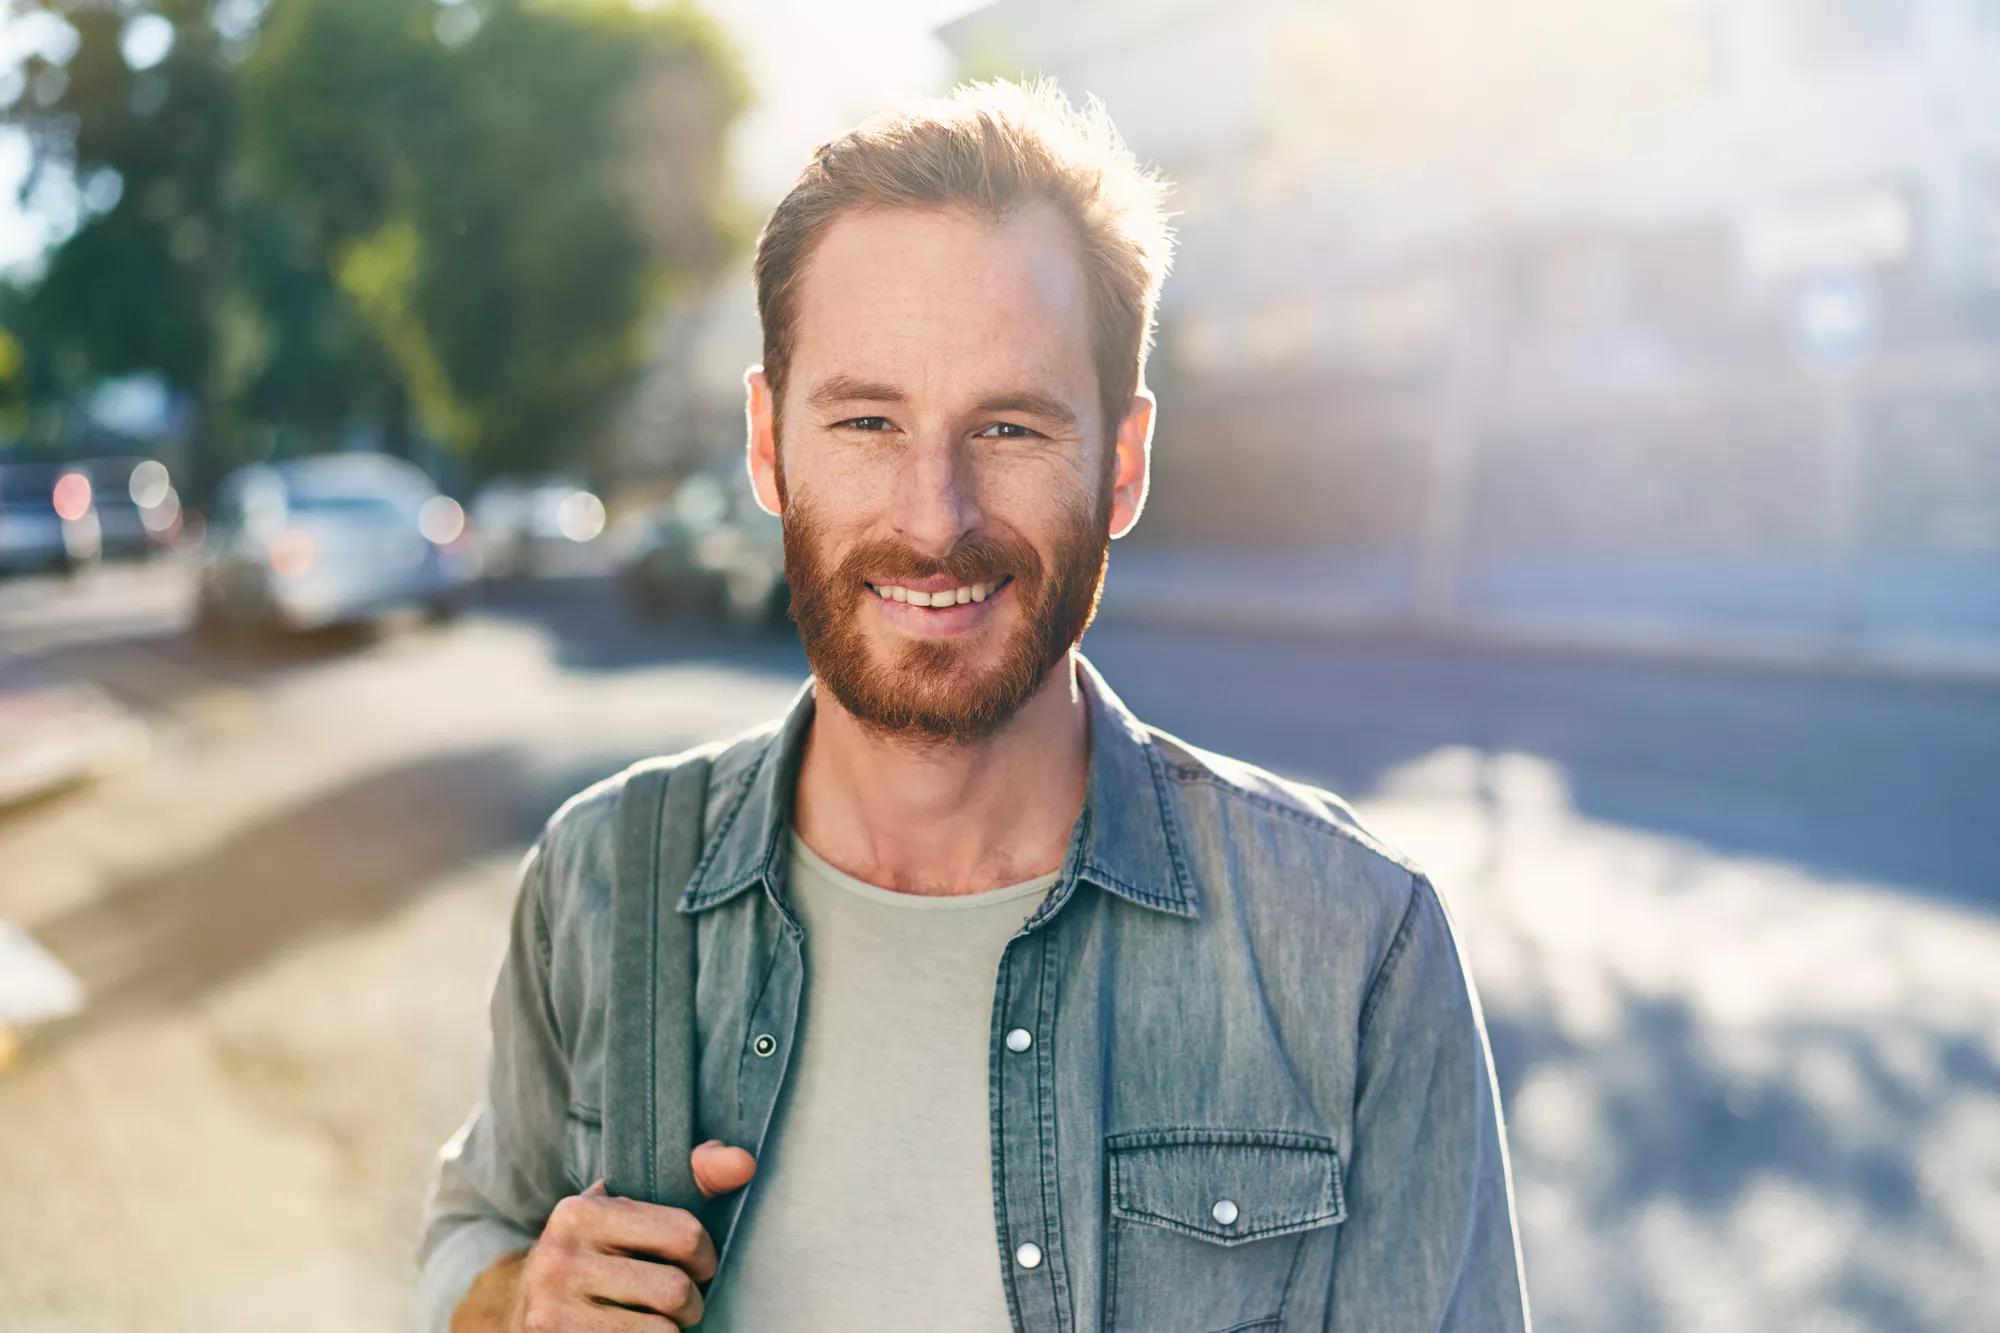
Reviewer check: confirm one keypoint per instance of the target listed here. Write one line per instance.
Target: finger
(633, 1284)
(645, 1231)
(720, 1168)
(596, 1190)
(611, 1319)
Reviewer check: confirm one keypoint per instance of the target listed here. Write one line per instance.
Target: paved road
(1736, 936)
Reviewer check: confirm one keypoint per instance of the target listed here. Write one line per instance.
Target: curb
(1908, 662)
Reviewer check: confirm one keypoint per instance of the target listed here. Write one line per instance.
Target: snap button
(1224, 1211)
(1020, 1039)
(765, 1043)
(1029, 1255)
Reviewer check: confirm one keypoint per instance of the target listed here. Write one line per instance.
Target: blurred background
(1580, 446)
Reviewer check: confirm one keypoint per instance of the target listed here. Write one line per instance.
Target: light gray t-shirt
(873, 1203)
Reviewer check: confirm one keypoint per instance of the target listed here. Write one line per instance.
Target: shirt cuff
(459, 1256)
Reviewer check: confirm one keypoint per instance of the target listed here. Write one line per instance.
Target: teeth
(972, 592)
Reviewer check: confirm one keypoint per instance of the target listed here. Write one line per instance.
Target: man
(1021, 1013)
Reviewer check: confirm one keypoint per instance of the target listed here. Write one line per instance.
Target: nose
(936, 500)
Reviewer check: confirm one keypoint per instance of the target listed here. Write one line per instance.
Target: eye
(874, 425)
(1025, 433)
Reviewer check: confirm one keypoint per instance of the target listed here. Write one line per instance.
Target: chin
(942, 691)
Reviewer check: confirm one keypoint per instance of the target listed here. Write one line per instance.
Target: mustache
(977, 559)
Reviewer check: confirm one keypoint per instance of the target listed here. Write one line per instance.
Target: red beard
(931, 689)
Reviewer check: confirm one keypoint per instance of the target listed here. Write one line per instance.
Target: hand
(612, 1264)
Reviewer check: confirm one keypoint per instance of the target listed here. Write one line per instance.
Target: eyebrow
(837, 389)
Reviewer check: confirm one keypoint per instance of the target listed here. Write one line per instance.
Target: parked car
(47, 520)
(710, 550)
(138, 510)
(330, 540)
(538, 527)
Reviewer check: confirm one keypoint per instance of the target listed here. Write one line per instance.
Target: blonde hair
(990, 148)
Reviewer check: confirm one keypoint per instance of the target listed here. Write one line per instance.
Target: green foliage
(450, 219)
(493, 239)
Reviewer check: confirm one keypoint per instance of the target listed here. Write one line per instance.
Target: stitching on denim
(1175, 1136)
(750, 1019)
(1328, 1208)
(1051, 1156)
(997, 1136)
(1285, 1228)
(1169, 823)
(651, 1158)
(1095, 872)
(715, 844)
(1113, 1234)
(1116, 1235)
(1405, 929)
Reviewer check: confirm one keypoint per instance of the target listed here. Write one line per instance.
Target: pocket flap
(1226, 1186)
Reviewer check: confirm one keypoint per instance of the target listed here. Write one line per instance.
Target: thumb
(596, 1189)
(719, 1168)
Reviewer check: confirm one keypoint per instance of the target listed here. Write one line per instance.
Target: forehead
(944, 300)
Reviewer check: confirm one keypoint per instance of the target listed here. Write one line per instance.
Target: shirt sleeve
(1429, 1243)
(495, 1181)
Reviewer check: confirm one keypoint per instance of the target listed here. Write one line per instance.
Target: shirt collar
(1126, 839)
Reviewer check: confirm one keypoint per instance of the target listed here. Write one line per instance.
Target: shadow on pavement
(338, 861)
(1876, 780)
(1660, 1129)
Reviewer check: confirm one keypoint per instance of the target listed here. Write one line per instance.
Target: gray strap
(649, 1070)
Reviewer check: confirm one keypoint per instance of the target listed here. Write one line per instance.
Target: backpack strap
(649, 1070)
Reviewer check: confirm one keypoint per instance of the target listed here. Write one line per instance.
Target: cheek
(1037, 493)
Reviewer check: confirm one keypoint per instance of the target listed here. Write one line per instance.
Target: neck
(941, 820)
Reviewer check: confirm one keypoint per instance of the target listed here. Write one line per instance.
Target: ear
(760, 415)
(1133, 472)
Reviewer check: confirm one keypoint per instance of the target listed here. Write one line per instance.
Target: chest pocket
(1207, 1226)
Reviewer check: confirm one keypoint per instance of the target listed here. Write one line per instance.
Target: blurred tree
(180, 262)
(519, 185)
(408, 215)
(143, 141)
(16, 372)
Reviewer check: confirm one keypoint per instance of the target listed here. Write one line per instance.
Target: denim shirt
(1256, 1090)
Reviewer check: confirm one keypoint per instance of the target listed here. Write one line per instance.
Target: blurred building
(687, 411)
(1671, 307)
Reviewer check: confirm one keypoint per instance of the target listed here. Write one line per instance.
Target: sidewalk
(1934, 623)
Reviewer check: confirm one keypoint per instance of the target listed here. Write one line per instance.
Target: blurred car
(331, 540)
(47, 520)
(709, 549)
(138, 510)
(540, 527)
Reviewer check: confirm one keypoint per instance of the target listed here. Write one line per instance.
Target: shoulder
(1297, 851)
(577, 843)
(1216, 785)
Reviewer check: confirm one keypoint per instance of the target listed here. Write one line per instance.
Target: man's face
(947, 484)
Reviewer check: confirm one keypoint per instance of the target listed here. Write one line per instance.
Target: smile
(970, 592)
